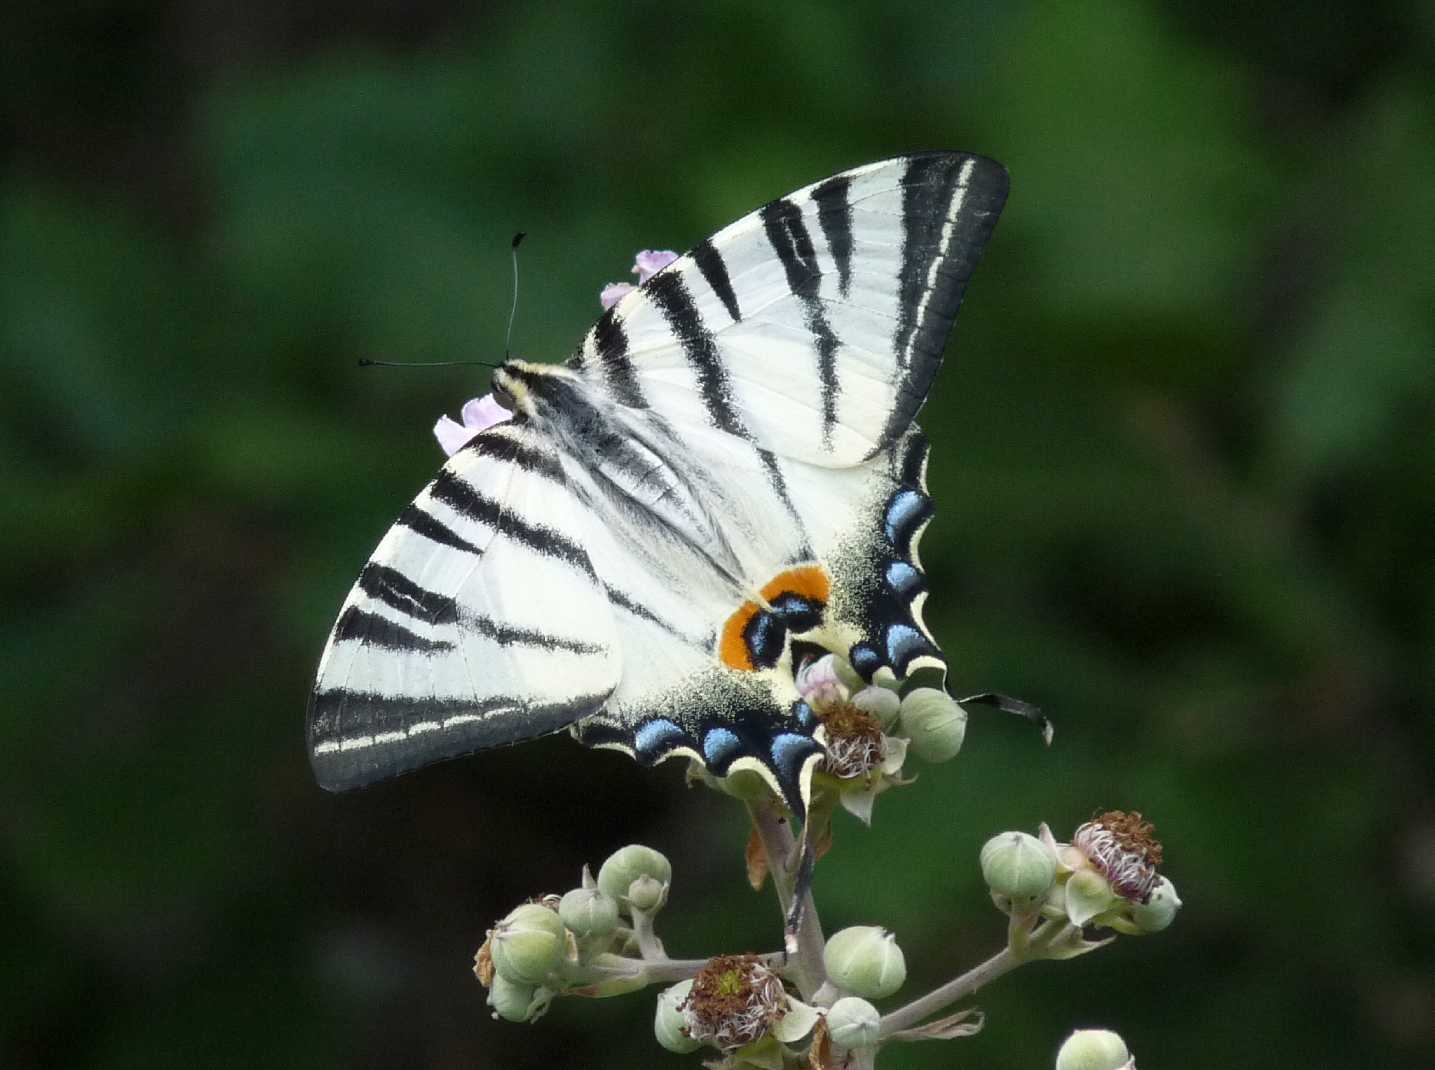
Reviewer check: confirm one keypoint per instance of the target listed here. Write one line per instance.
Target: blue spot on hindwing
(803, 714)
(865, 659)
(788, 751)
(655, 738)
(903, 644)
(720, 747)
(903, 578)
(906, 509)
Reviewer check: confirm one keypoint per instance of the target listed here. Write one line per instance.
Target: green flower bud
(1093, 1049)
(528, 944)
(511, 1000)
(626, 865)
(854, 1023)
(1160, 910)
(647, 894)
(588, 912)
(866, 961)
(880, 703)
(1088, 894)
(1018, 866)
(934, 723)
(670, 1026)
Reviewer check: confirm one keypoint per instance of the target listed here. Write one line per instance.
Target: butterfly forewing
(814, 325)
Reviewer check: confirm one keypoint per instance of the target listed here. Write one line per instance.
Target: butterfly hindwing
(478, 621)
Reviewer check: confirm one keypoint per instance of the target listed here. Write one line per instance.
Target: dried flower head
(854, 741)
(734, 1001)
(1125, 849)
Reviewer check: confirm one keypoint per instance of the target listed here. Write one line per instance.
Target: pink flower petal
(614, 292)
(480, 414)
(452, 436)
(651, 261)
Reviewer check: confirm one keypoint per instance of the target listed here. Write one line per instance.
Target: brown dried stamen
(1124, 848)
(1134, 834)
(483, 962)
(854, 741)
(734, 1000)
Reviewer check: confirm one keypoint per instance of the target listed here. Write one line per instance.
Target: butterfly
(724, 480)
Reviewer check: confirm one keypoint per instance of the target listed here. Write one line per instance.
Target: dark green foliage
(1182, 456)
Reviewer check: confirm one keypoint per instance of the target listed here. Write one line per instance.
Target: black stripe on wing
(670, 294)
(789, 237)
(466, 500)
(714, 271)
(397, 591)
(418, 519)
(357, 738)
(834, 216)
(611, 343)
(939, 254)
(372, 629)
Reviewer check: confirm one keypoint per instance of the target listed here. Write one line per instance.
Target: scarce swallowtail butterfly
(724, 479)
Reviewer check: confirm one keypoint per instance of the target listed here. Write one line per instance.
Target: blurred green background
(1182, 458)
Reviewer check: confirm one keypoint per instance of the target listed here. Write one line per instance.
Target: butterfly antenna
(513, 311)
(365, 362)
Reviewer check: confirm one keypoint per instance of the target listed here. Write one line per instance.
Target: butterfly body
(726, 474)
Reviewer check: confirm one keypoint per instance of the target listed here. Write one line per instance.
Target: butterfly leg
(1015, 706)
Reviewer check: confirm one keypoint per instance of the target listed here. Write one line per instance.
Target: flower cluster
(1105, 877)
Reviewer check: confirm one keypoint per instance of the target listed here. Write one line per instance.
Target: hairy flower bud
(670, 1025)
(589, 912)
(514, 1001)
(934, 723)
(1018, 866)
(1159, 911)
(626, 865)
(647, 894)
(866, 961)
(1094, 1049)
(880, 703)
(527, 945)
(854, 1023)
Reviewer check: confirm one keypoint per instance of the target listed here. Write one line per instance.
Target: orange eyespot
(807, 581)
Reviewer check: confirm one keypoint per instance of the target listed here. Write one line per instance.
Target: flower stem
(649, 946)
(779, 846)
(1003, 962)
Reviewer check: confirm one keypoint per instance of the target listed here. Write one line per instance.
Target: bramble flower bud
(670, 1025)
(880, 703)
(854, 1023)
(624, 866)
(516, 1002)
(647, 894)
(589, 912)
(934, 723)
(1018, 866)
(527, 945)
(1094, 1049)
(1159, 911)
(866, 961)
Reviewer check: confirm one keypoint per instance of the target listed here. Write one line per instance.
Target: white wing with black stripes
(813, 326)
(725, 479)
(478, 621)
